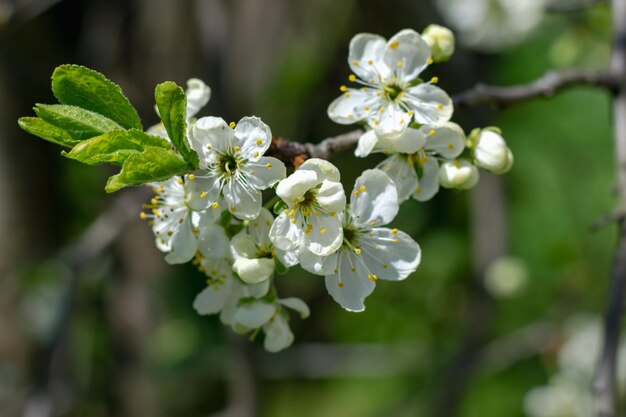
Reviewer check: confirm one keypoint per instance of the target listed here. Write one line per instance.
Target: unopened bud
(491, 152)
(441, 42)
(458, 174)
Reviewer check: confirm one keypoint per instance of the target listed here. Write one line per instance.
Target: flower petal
(431, 105)
(259, 228)
(288, 258)
(447, 140)
(324, 169)
(253, 136)
(203, 191)
(243, 245)
(212, 241)
(184, 244)
(198, 95)
(428, 182)
(297, 305)
(406, 54)
(366, 50)
(213, 298)
(244, 202)
(265, 172)
(258, 290)
(292, 188)
(349, 286)
(325, 234)
(278, 335)
(390, 254)
(255, 270)
(255, 314)
(284, 234)
(402, 173)
(409, 142)
(353, 106)
(319, 265)
(366, 145)
(331, 196)
(207, 135)
(391, 123)
(374, 200)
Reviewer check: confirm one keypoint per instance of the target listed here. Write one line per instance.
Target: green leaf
(79, 123)
(79, 86)
(44, 130)
(172, 105)
(116, 146)
(153, 164)
(279, 207)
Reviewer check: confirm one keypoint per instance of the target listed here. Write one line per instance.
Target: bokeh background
(499, 320)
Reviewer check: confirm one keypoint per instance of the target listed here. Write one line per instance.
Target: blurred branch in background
(605, 383)
(53, 357)
(568, 6)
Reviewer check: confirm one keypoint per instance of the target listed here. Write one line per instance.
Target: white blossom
(368, 252)
(491, 152)
(414, 159)
(392, 95)
(315, 199)
(441, 42)
(492, 25)
(254, 253)
(224, 290)
(232, 169)
(459, 174)
(272, 318)
(178, 228)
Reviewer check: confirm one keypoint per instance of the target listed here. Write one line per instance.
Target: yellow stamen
(434, 80)
(232, 125)
(429, 61)
(343, 88)
(142, 216)
(362, 189)
(352, 78)
(394, 45)
(259, 142)
(215, 205)
(372, 277)
(192, 177)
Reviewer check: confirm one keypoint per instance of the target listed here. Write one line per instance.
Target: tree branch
(545, 86)
(605, 383)
(552, 82)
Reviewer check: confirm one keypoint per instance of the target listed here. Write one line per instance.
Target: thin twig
(545, 86)
(605, 383)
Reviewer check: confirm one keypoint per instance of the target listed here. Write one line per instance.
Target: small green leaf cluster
(97, 123)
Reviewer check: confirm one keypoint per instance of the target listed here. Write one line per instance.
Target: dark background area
(109, 330)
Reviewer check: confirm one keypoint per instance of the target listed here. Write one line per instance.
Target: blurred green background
(113, 333)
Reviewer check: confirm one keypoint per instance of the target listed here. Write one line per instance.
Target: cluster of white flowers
(215, 216)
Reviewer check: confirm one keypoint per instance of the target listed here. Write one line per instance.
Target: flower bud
(441, 42)
(491, 152)
(254, 271)
(458, 174)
